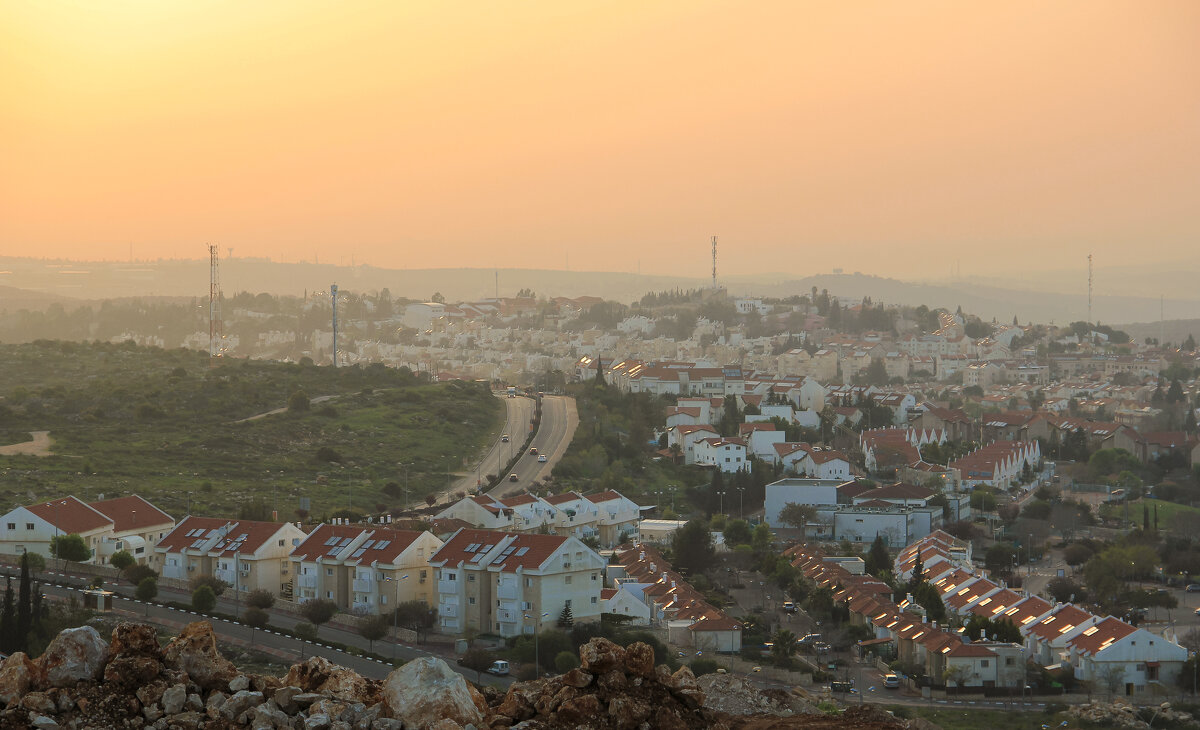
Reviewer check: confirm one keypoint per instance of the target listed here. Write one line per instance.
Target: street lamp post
(536, 661)
(741, 503)
(396, 614)
(721, 494)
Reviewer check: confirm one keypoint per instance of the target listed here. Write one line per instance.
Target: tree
(416, 616)
(298, 402)
(36, 562)
(437, 298)
(121, 560)
(929, 598)
(70, 547)
(798, 516)
(692, 547)
(878, 559)
(1077, 554)
(305, 632)
(1065, 590)
(8, 622)
(477, 659)
(146, 591)
(135, 573)
(737, 532)
(261, 598)
(203, 599)
(566, 619)
(1111, 677)
(216, 585)
(957, 673)
(318, 611)
(256, 618)
(373, 628)
(783, 644)
(24, 605)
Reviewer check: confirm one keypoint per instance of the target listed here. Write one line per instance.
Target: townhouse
(126, 523)
(511, 584)
(725, 453)
(246, 554)
(364, 569)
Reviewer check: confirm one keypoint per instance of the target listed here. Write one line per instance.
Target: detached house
(126, 523)
(1133, 659)
(364, 569)
(511, 584)
(248, 555)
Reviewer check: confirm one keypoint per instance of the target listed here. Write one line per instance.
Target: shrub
(121, 560)
(326, 453)
(216, 585)
(203, 599)
(565, 661)
(305, 631)
(700, 667)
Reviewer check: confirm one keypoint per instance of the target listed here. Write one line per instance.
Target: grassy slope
(159, 423)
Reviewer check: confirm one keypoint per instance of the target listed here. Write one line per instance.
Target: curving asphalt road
(516, 425)
(557, 428)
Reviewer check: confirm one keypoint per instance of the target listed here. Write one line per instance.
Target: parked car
(891, 681)
(841, 686)
(1193, 588)
(789, 607)
(498, 668)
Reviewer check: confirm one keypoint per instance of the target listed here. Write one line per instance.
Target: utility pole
(214, 305)
(333, 292)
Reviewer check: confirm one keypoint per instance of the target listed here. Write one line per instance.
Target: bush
(565, 661)
(326, 453)
(121, 560)
(701, 667)
(305, 631)
(203, 599)
(261, 599)
(135, 574)
(216, 585)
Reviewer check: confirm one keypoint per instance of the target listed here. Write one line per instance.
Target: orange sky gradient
(888, 137)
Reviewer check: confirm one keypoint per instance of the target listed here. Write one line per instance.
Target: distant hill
(1049, 303)
(1173, 330)
(13, 299)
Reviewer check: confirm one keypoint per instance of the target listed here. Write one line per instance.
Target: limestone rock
(173, 699)
(194, 651)
(426, 690)
(639, 659)
(239, 703)
(130, 639)
(317, 722)
(132, 671)
(18, 675)
(74, 655)
(318, 674)
(577, 678)
(284, 697)
(39, 702)
(601, 655)
(239, 683)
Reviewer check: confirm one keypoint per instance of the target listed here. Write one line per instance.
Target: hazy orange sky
(887, 137)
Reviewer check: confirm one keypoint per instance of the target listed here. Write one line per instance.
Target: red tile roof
(314, 545)
(603, 497)
(256, 533)
(70, 515)
(1064, 618)
(535, 549)
(1099, 636)
(132, 513)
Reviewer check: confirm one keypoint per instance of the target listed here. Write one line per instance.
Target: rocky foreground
(82, 682)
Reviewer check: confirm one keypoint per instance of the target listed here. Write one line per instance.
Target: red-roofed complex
(508, 584)
(126, 523)
(248, 555)
(364, 568)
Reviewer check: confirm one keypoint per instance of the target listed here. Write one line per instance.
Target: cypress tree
(8, 622)
(24, 606)
(39, 611)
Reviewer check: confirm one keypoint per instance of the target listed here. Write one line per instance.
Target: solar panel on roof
(221, 545)
(382, 544)
(509, 550)
(331, 541)
(358, 553)
(522, 551)
(477, 557)
(367, 545)
(485, 548)
(345, 541)
(243, 536)
(471, 548)
(334, 550)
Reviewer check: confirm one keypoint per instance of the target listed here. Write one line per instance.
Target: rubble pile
(736, 696)
(1123, 715)
(82, 682)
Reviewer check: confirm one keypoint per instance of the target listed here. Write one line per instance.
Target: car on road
(542, 459)
(513, 478)
(533, 449)
(504, 439)
(1197, 612)
(891, 681)
(841, 686)
(498, 668)
(789, 607)
(1193, 588)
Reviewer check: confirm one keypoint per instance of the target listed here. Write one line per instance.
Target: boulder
(194, 651)
(284, 697)
(426, 690)
(639, 659)
(318, 674)
(130, 639)
(577, 678)
(73, 656)
(132, 671)
(601, 655)
(268, 716)
(239, 683)
(684, 686)
(173, 699)
(39, 702)
(579, 711)
(239, 703)
(18, 675)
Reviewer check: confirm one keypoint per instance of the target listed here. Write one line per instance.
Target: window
(12, 525)
(451, 576)
(470, 578)
(329, 571)
(281, 543)
(593, 599)
(139, 551)
(28, 525)
(383, 599)
(983, 662)
(471, 600)
(568, 580)
(593, 576)
(1008, 662)
(1151, 672)
(329, 594)
(568, 603)
(529, 582)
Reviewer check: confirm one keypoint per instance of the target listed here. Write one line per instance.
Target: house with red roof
(246, 554)
(511, 584)
(522, 513)
(125, 523)
(1123, 658)
(619, 517)
(626, 600)
(363, 568)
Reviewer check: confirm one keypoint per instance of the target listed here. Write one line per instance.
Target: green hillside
(127, 419)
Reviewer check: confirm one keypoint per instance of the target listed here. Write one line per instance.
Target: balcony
(507, 617)
(307, 581)
(362, 608)
(362, 585)
(447, 586)
(508, 591)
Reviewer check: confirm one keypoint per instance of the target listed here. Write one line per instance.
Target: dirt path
(314, 401)
(39, 445)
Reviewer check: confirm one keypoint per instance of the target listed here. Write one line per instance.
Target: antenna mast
(714, 247)
(1089, 319)
(214, 305)
(333, 298)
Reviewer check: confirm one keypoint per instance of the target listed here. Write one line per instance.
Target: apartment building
(247, 554)
(512, 584)
(364, 569)
(127, 523)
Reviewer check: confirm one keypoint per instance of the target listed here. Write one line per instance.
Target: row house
(606, 516)
(510, 584)
(106, 526)
(998, 464)
(363, 569)
(954, 423)
(246, 554)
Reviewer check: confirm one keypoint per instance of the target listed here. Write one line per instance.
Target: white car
(891, 681)
(542, 459)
